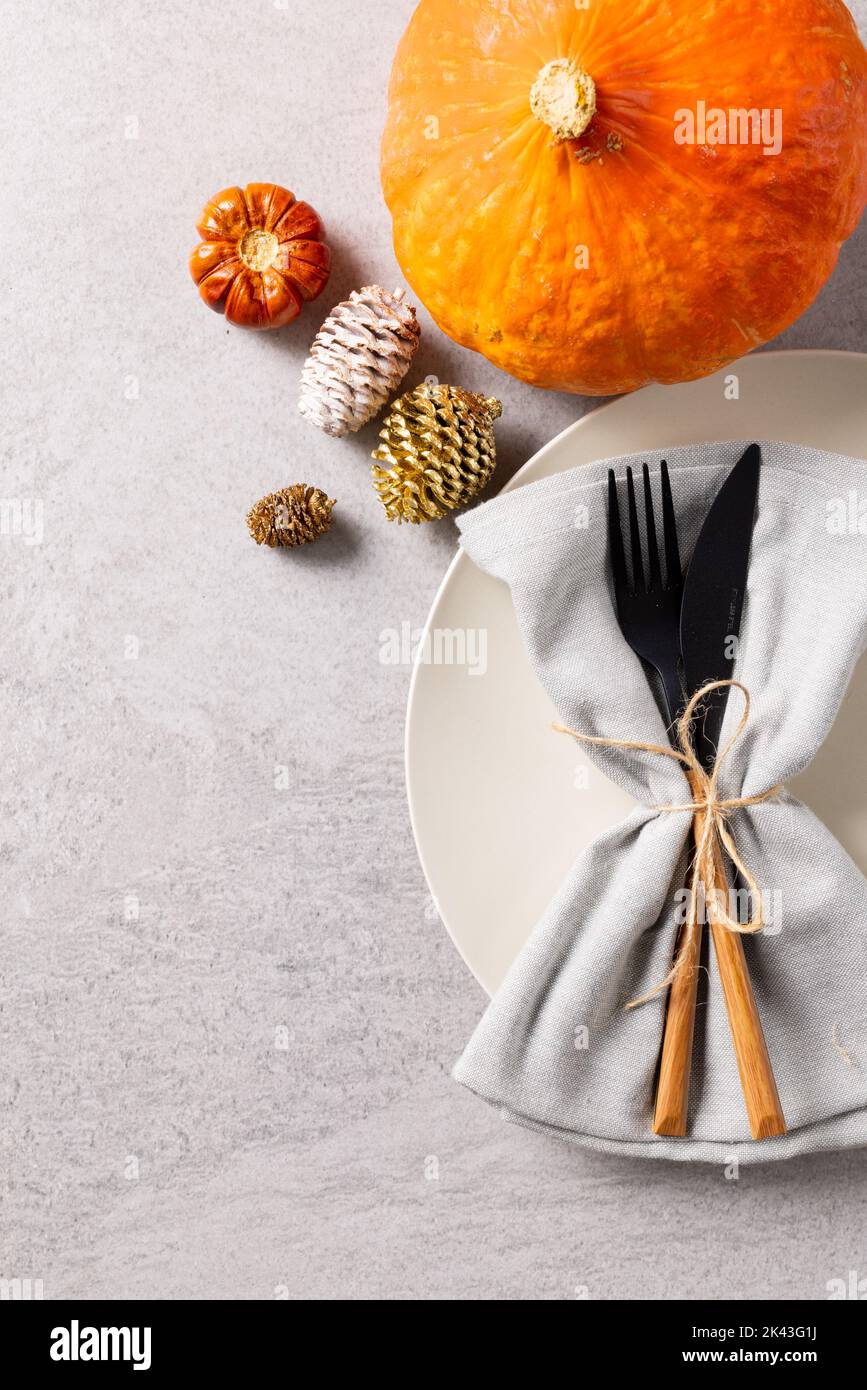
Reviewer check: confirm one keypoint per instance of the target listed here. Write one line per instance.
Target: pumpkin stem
(564, 97)
(258, 249)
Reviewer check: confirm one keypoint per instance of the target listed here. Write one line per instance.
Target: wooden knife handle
(757, 1078)
(754, 1065)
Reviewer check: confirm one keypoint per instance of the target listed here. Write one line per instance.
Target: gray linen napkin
(556, 1050)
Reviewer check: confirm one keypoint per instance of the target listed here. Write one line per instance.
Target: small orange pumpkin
(261, 256)
(552, 211)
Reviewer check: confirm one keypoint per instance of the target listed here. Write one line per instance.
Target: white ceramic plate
(501, 806)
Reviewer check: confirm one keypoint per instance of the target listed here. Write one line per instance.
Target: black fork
(648, 610)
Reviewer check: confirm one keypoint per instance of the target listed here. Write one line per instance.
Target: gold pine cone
(437, 448)
(292, 516)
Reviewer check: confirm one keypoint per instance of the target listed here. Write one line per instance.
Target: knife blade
(713, 595)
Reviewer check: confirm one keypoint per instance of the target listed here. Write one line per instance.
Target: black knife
(713, 595)
(710, 619)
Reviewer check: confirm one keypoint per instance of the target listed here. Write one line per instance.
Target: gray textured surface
(161, 1136)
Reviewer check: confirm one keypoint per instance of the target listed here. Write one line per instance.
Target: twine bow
(711, 834)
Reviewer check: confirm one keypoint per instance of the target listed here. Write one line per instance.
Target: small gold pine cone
(292, 516)
(438, 449)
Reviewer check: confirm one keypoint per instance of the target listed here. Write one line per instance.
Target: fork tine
(654, 576)
(634, 535)
(669, 532)
(615, 536)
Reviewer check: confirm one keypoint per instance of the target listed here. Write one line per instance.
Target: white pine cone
(359, 357)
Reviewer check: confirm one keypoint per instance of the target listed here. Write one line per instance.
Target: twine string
(710, 832)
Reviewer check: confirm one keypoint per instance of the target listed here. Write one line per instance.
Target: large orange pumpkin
(567, 201)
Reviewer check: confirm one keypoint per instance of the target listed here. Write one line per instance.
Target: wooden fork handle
(672, 1089)
(764, 1111)
(675, 1063)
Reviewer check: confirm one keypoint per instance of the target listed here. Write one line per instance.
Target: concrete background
(228, 1017)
